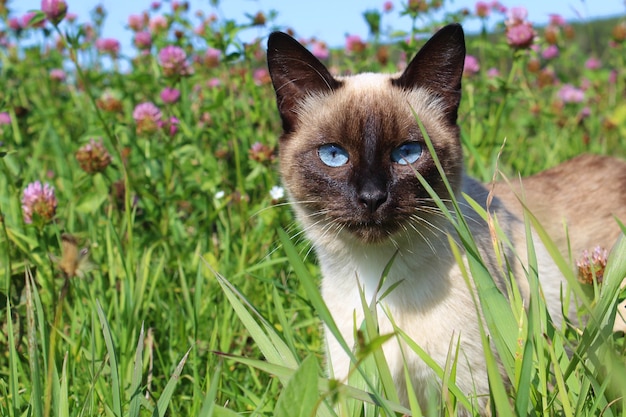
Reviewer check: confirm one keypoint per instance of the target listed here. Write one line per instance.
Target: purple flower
(516, 15)
(212, 57)
(108, 46)
(557, 20)
(552, 51)
(158, 24)
(54, 10)
(471, 65)
(482, 9)
(57, 74)
(213, 82)
(493, 73)
(570, 94)
(143, 40)
(592, 265)
(593, 64)
(170, 126)
(173, 60)
(39, 201)
(93, 157)
(15, 24)
(320, 50)
(170, 95)
(135, 22)
(497, 6)
(354, 43)
(520, 36)
(5, 118)
(147, 117)
(261, 76)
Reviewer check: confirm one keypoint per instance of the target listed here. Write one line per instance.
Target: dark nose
(372, 198)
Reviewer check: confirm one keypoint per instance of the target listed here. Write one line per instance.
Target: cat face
(351, 146)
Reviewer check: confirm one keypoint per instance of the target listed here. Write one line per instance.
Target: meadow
(149, 258)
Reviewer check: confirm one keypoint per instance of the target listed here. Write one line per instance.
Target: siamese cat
(350, 152)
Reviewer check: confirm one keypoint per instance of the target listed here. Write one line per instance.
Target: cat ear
(438, 66)
(295, 74)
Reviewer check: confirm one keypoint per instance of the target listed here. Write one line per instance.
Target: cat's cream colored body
(432, 304)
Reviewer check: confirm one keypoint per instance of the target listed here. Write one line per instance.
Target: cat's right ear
(295, 74)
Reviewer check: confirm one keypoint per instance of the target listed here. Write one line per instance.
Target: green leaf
(300, 397)
(115, 377)
(166, 395)
(135, 393)
(91, 203)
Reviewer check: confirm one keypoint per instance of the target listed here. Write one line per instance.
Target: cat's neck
(347, 265)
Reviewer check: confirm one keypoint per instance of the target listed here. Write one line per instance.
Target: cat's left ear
(438, 67)
(296, 73)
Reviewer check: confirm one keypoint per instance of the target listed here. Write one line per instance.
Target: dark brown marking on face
(371, 196)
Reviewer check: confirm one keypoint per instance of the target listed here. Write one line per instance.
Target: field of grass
(191, 300)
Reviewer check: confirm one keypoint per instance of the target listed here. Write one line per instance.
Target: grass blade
(166, 396)
(299, 397)
(135, 385)
(36, 394)
(16, 402)
(115, 377)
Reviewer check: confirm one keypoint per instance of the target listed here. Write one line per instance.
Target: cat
(349, 153)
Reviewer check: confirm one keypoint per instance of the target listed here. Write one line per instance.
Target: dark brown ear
(295, 73)
(438, 66)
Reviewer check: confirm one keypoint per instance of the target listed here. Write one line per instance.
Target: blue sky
(328, 20)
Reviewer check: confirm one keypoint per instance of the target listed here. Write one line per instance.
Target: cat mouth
(371, 232)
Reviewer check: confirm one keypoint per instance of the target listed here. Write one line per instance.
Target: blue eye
(407, 153)
(333, 155)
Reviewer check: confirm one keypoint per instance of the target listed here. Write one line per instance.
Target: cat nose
(372, 199)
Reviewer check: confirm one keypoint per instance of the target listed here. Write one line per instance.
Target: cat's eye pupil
(407, 153)
(333, 155)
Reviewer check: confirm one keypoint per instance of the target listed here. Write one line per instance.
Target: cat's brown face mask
(352, 149)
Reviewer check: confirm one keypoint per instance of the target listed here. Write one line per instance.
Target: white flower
(277, 192)
(219, 195)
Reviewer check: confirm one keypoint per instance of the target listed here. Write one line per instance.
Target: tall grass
(192, 299)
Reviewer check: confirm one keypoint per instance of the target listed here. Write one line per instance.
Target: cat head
(351, 145)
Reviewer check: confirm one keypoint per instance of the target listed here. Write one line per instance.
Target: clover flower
(169, 126)
(520, 36)
(143, 40)
(261, 153)
(5, 118)
(320, 50)
(173, 60)
(54, 10)
(170, 95)
(482, 9)
(136, 22)
(57, 74)
(551, 52)
(593, 64)
(212, 57)
(108, 46)
(519, 31)
(592, 265)
(471, 66)
(354, 43)
(93, 157)
(147, 117)
(39, 203)
(570, 94)
(261, 76)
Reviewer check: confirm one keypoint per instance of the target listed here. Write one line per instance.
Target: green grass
(196, 301)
